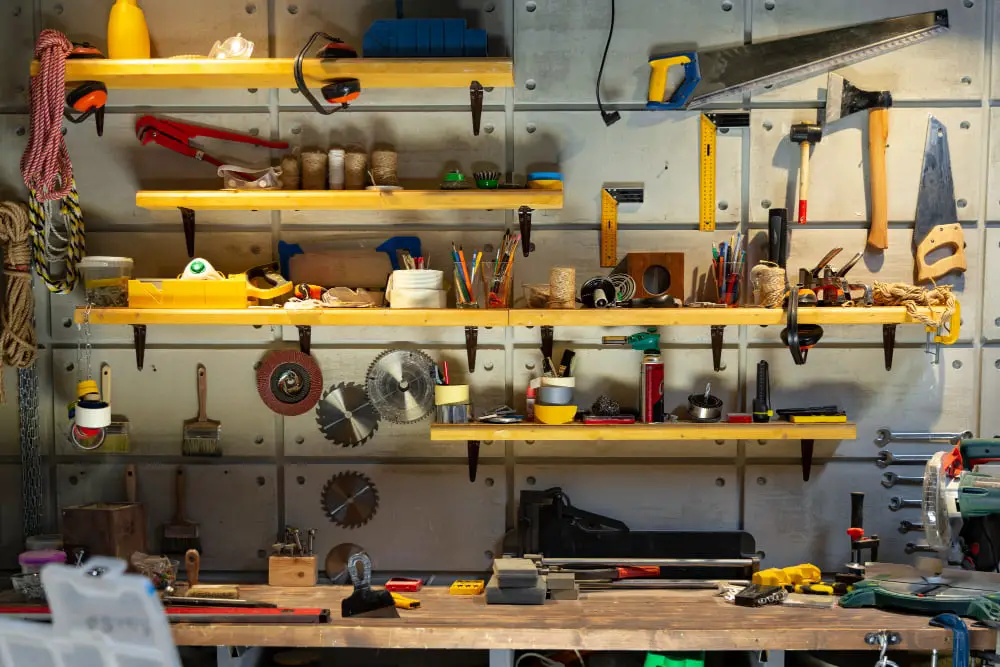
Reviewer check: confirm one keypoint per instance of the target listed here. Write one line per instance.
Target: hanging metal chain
(31, 460)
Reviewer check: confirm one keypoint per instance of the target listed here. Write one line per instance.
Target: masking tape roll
(92, 414)
(451, 394)
(558, 381)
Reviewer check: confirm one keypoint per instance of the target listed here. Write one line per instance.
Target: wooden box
(291, 571)
(656, 273)
(105, 529)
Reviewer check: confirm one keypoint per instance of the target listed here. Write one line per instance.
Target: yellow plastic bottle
(128, 34)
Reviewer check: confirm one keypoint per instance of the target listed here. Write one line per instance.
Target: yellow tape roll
(451, 394)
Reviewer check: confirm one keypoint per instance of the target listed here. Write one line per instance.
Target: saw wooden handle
(878, 135)
(942, 236)
(192, 565)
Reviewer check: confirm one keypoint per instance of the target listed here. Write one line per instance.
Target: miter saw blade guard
(953, 492)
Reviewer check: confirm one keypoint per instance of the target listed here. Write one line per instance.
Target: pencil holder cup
(497, 279)
(468, 286)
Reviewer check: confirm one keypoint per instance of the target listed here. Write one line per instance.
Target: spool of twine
(290, 176)
(768, 281)
(562, 287)
(385, 160)
(337, 168)
(314, 164)
(355, 168)
(913, 297)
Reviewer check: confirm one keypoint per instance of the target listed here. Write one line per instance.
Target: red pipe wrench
(177, 137)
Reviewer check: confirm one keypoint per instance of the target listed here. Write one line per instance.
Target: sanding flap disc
(289, 382)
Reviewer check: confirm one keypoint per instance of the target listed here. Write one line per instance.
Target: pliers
(177, 137)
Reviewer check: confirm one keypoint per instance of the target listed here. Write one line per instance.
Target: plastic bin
(105, 280)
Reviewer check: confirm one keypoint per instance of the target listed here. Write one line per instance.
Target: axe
(844, 98)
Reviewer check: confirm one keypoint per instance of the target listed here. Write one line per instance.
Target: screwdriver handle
(857, 509)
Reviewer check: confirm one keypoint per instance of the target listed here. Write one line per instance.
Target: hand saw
(935, 223)
(713, 74)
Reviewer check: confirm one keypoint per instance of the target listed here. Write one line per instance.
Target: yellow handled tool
(403, 602)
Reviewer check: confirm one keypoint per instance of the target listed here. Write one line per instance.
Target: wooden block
(105, 529)
(215, 591)
(559, 581)
(291, 571)
(567, 594)
(656, 273)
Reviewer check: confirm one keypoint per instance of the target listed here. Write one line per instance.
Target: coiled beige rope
(17, 339)
(914, 297)
(768, 281)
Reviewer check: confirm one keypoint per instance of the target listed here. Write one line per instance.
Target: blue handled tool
(960, 637)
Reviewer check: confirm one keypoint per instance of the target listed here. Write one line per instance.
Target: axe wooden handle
(878, 135)
(942, 236)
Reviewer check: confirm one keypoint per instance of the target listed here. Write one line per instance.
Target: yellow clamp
(806, 573)
(954, 327)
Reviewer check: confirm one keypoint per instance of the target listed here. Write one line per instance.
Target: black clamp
(187, 218)
(139, 340)
(717, 334)
(799, 338)
(548, 341)
(473, 454)
(524, 222)
(471, 343)
(305, 338)
(888, 343)
(476, 97)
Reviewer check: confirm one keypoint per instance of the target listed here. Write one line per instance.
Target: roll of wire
(314, 166)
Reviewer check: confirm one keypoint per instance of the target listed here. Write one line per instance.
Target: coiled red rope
(45, 165)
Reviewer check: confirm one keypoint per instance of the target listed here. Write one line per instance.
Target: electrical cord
(610, 117)
(548, 662)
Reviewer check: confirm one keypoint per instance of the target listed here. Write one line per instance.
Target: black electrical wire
(610, 117)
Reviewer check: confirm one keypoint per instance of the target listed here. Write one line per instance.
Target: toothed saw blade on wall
(346, 416)
(400, 384)
(350, 499)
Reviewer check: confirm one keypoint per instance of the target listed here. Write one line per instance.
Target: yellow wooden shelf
(277, 72)
(710, 316)
(350, 200)
(343, 317)
(681, 431)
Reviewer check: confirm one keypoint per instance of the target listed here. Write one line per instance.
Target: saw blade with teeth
(400, 384)
(346, 416)
(350, 499)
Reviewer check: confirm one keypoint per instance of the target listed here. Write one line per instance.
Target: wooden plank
(525, 317)
(601, 621)
(342, 317)
(688, 431)
(277, 72)
(350, 200)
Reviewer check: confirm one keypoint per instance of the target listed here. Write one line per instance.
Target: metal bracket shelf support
(717, 333)
(471, 346)
(139, 341)
(305, 338)
(473, 456)
(888, 343)
(187, 219)
(476, 97)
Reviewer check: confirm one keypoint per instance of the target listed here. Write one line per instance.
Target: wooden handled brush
(201, 434)
(180, 534)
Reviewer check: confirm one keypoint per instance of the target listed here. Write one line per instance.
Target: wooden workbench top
(599, 621)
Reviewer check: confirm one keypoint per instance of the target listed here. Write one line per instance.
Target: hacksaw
(717, 73)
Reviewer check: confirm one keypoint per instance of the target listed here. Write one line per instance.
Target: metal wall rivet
(530, 481)
(57, 10)
(488, 89)
(258, 440)
(255, 250)
(765, 203)
(63, 131)
(723, 205)
(73, 481)
(489, 481)
(996, 364)
(969, 4)
(488, 553)
(254, 132)
(762, 442)
(720, 481)
(489, 8)
(720, 442)
(17, 11)
(69, 368)
(727, 6)
(296, 130)
(530, 6)
(967, 80)
(488, 366)
(769, 5)
(19, 131)
(489, 128)
(530, 84)
(293, 9)
(251, 8)
(961, 203)
(256, 365)
(261, 481)
(530, 128)
(301, 480)
(767, 125)
(487, 442)
(956, 364)
(251, 90)
(67, 322)
(530, 366)
(761, 481)
(299, 440)
(295, 91)
(965, 125)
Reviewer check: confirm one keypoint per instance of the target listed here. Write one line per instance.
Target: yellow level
(610, 198)
(706, 217)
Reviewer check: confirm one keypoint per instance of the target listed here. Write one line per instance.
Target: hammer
(805, 135)
(844, 98)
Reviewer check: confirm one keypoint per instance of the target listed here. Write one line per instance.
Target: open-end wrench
(886, 458)
(896, 503)
(891, 479)
(884, 436)
(912, 548)
(908, 526)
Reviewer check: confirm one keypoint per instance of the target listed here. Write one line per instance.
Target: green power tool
(646, 341)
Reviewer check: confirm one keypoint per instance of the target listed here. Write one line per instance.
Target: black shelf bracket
(473, 453)
(548, 341)
(888, 343)
(187, 219)
(139, 340)
(524, 223)
(717, 333)
(471, 345)
(476, 98)
(807, 457)
(305, 338)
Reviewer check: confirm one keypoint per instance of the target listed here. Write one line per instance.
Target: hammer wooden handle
(192, 565)
(803, 181)
(878, 135)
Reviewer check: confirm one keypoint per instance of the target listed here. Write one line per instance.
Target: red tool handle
(638, 571)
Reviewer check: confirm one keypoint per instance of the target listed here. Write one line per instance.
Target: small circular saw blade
(346, 416)
(400, 384)
(337, 559)
(289, 382)
(350, 499)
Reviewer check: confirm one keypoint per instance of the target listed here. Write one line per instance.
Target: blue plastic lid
(545, 176)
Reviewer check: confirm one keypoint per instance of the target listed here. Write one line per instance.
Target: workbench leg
(238, 656)
(501, 658)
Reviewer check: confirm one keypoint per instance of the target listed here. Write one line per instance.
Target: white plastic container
(336, 174)
(105, 280)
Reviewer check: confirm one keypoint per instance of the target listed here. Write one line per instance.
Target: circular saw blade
(346, 416)
(337, 559)
(350, 499)
(289, 382)
(400, 384)
(934, 508)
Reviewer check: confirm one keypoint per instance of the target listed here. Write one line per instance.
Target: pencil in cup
(468, 287)
(730, 283)
(497, 278)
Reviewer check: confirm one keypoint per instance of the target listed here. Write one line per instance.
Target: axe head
(844, 98)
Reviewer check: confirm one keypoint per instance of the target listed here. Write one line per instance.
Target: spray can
(651, 387)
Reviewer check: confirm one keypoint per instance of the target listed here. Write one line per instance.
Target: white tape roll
(451, 394)
(418, 298)
(92, 414)
(558, 382)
